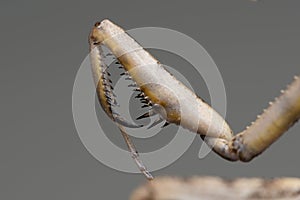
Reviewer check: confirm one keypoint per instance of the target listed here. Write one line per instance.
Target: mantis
(175, 103)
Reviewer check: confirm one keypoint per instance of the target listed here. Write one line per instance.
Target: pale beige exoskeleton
(177, 104)
(216, 188)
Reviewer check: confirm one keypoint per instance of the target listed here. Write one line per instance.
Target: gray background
(255, 46)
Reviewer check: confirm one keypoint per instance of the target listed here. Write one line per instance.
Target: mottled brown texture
(215, 188)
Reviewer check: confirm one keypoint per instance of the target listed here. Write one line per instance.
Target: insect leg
(134, 153)
(268, 127)
(103, 87)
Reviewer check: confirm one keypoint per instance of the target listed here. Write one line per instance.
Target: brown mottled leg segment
(268, 127)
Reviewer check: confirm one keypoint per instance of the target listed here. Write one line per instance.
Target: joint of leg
(237, 145)
(221, 147)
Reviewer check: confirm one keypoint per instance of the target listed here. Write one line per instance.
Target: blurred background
(254, 44)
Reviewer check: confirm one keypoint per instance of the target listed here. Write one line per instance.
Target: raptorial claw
(175, 103)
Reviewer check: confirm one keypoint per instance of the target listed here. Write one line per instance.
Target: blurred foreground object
(215, 188)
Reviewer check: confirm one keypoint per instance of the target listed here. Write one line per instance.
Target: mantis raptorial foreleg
(107, 100)
(178, 104)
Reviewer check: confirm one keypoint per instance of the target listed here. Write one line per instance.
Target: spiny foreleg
(268, 127)
(107, 99)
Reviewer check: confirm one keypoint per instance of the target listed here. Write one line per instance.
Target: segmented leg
(167, 92)
(107, 100)
(268, 127)
(135, 154)
(104, 88)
